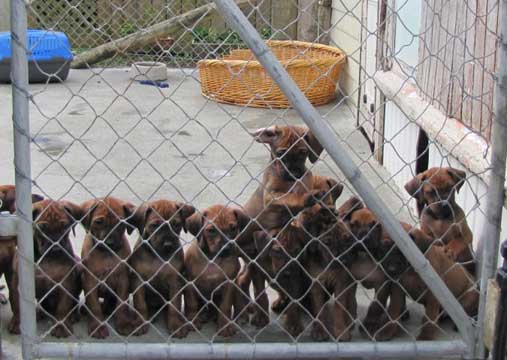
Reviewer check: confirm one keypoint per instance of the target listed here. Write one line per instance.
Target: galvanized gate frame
(33, 348)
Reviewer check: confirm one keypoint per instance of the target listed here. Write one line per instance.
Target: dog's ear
(185, 211)
(138, 218)
(74, 211)
(193, 223)
(36, 211)
(261, 240)
(37, 198)
(458, 176)
(336, 188)
(348, 207)
(241, 218)
(314, 146)
(87, 209)
(266, 135)
(129, 211)
(414, 187)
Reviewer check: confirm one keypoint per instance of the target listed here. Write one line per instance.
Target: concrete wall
(4, 15)
(346, 34)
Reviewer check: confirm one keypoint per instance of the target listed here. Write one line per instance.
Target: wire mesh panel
(314, 188)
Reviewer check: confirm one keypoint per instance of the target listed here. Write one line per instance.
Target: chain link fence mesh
(169, 215)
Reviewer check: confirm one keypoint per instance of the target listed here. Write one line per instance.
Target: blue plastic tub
(49, 58)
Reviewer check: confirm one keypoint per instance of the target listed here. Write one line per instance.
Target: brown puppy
(441, 217)
(158, 259)
(8, 244)
(105, 248)
(332, 190)
(285, 190)
(329, 252)
(281, 258)
(454, 275)
(57, 274)
(212, 264)
(376, 267)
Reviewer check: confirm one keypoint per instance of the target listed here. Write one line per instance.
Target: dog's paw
(341, 334)
(279, 304)
(294, 328)
(178, 329)
(242, 319)
(227, 331)
(451, 253)
(14, 326)
(98, 331)
(370, 326)
(125, 328)
(196, 325)
(260, 319)
(181, 332)
(319, 333)
(387, 333)
(427, 333)
(60, 331)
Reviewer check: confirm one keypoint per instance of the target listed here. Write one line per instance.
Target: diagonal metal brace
(324, 133)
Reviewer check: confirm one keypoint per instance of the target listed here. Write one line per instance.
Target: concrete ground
(101, 134)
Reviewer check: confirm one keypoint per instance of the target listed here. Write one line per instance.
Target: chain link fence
(251, 179)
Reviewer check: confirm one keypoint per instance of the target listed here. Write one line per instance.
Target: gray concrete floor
(101, 134)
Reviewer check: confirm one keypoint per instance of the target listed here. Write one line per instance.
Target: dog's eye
(98, 221)
(212, 231)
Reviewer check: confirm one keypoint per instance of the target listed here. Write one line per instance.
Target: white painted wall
(346, 35)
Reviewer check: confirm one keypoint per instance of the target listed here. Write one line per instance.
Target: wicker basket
(240, 79)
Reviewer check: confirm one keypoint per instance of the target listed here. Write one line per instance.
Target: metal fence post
(20, 118)
(237, 20)
(490, 237)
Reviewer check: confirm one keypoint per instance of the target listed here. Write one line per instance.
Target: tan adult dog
(441, 217)
(105, 248)
(58, 273)
(286, 188)
(212, 264)
(158, 259)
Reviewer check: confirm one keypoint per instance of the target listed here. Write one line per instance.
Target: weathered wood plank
(450, 48)
(469, 62)
(263, 16)
(438, 50)
(423, 67)
(490, 67)
(477, 89)
(283, 19)
(458, 57)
